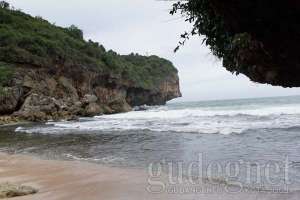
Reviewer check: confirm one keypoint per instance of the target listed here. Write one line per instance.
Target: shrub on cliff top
(4, 4)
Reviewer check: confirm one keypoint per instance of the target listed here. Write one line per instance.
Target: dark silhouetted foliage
(207, 23)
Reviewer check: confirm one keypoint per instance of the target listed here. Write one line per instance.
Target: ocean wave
(206, 120)
(105, 160)
(164, 112)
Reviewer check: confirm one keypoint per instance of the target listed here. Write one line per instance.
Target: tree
(4, 4)
(75, 32)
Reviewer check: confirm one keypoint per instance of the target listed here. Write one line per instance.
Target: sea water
(246, 132)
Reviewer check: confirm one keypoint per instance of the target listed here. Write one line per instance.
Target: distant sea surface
(256, 130)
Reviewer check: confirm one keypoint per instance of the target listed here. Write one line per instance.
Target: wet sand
(66, 180)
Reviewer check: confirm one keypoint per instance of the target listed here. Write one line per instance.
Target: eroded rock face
(9, 99)
(38, 95)
(166, 90)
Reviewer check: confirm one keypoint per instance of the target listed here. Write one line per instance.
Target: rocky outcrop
(258, 38)
(9, 190)
(271, 52)
(37, 94)
(166, 90)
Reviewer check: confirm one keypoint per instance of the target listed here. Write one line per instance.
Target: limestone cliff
(49, 72)
(37, 94)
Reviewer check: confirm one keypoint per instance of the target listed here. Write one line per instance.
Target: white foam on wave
(164, 112)
(221, 120)
(106, 160)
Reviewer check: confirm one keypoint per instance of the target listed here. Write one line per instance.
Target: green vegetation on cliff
(6, 73)
(33, 41)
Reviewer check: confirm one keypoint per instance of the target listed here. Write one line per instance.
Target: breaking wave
(218, 118)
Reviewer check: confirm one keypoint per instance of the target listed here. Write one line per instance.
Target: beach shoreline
(60, 180)
(65, 179)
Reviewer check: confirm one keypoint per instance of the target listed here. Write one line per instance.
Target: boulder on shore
(8, 190)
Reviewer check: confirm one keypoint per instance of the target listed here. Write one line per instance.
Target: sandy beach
(64, 180)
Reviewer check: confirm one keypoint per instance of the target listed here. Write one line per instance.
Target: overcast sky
(145, 27)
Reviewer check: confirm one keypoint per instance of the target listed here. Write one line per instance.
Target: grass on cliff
(6, 73)
(33, 41)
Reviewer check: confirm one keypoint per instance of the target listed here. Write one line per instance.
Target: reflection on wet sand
(63, 180)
